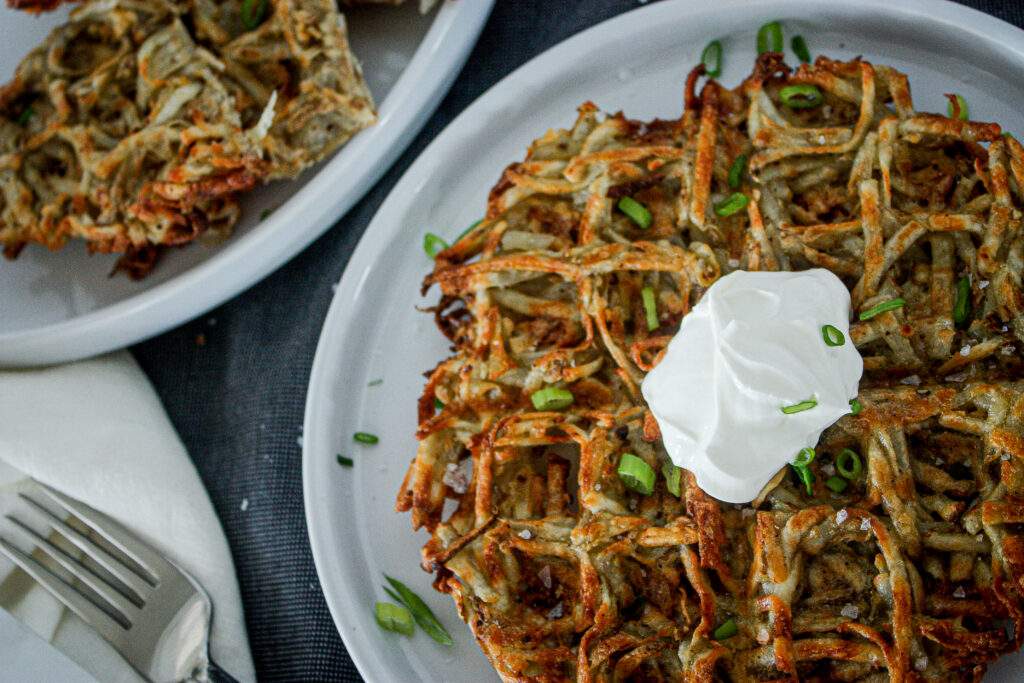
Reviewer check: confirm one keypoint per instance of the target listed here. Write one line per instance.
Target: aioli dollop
(751, 346)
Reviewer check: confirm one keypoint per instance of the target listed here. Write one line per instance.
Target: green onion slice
(726, 630)
(843, 460)
(806, 476)
(732, 204)
(800, 49)
(264, 213)
(438, 404)
(837, 484)
(799, 407)
(1008, 134)
(962, 308)
(855, 407)
(253, 12)
(890, 305)
(375, 382)
(345, 462)
(636, 474)
(420, 612)
(736, 171)
(958, 110)
(672, 476)
(365, 437)
(833, 335)
(433, 245)
(635, 210)
(769, 38)
(394, 618)
(650, 308)
(712, 59)
(804, 458)
(552, 398)
(801, 96)
(26, 116)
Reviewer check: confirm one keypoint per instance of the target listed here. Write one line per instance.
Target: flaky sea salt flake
(960, 593)
(556, 612)
(850, 611)
(841, 516)
(912, 380)
(525, 534)
(865, 524)
(545, 576)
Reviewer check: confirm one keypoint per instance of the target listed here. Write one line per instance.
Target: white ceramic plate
(63, 306)
(637, 63)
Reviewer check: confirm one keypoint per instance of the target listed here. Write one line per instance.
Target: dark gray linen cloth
(234, 380)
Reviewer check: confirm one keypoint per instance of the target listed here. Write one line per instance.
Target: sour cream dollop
(752, 346)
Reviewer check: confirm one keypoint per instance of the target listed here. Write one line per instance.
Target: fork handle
(215, 674)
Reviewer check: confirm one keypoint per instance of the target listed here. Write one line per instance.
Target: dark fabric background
(234, 380)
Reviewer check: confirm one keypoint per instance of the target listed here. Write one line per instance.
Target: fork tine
(141, 585)
(108, 626)
(126, 605)
(151, 562)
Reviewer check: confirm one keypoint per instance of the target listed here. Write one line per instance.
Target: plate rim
(317, 462)
(406, 108)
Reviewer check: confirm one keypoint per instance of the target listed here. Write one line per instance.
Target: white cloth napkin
(96, 430)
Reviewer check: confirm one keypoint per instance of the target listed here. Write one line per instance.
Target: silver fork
(152, 611)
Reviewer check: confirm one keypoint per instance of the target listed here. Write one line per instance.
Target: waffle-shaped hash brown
(136, 125)
(914, 572)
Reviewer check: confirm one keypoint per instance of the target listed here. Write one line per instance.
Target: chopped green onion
(420, 612)
(552, 398)
(799, 407)
(253, 12)
(806, 476)
(962, 308)
(726, 630)
(469, 230)
(375, 383)
(636, 474)
(800, 49)
(672, 476)
(712, 55)
(855, 407)
(345, 462)
(650, 308)
(635, 210)
(26, 116)
(890, 305)
(837, 484)
(804, 458)
(264, 213)
(769, 38)
(732, 204)
(1008, 134)
(736, 171)
(438, 404)
(433, 245)
(394, 618)
(833, 335)
(842, 464)
(801, 96)
(364, 437)
(959, 110)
